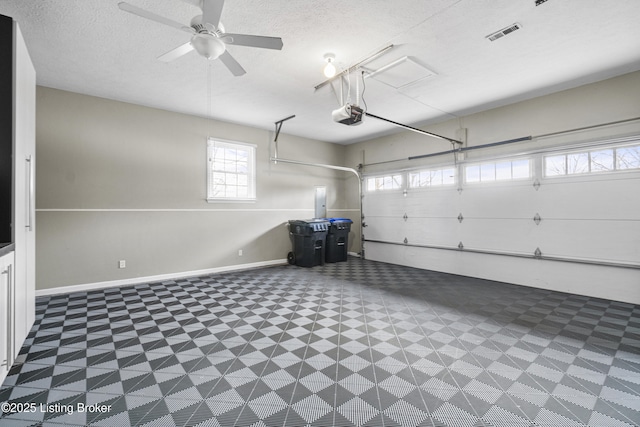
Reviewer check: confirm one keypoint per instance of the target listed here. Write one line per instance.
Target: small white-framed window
(383, 183)
(432, 177)
(607, 159)
(231, 171)
(628, 157)
(503, 170)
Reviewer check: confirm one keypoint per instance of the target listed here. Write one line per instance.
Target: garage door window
(504, 170)
(430, 178)
(382, 183)
(628, 157)
(595, 161)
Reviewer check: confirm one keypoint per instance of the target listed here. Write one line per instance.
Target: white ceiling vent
(401, 73)
(503, 32)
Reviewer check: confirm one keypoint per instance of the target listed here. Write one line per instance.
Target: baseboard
(157, 278)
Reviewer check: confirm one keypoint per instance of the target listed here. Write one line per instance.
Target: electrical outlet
(122, 263)
(240, 252)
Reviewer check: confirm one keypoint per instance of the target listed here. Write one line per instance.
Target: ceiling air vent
(499, 34)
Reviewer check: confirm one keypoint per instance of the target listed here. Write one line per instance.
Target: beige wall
(120, 181)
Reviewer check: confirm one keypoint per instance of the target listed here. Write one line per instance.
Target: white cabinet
(8, 352)
(24, 144)
(17, 117)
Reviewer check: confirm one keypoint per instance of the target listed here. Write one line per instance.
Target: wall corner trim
(157, 278)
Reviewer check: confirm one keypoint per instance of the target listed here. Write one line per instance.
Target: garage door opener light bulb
(329, 69)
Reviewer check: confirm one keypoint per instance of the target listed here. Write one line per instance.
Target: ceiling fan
(208, 37)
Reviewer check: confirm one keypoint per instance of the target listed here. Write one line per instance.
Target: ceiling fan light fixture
(329, 69)
(208, 36)
(208, 46)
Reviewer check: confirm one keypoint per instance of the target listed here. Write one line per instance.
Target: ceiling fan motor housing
(204, 27)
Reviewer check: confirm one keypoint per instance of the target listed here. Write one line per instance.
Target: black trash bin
(308, 237)
(338, 239)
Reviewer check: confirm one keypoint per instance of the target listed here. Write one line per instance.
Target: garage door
(567, 219)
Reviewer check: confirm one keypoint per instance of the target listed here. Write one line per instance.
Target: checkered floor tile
(355, 343)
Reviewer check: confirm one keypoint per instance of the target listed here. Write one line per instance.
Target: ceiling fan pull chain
(357, 91)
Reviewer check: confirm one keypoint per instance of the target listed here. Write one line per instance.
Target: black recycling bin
(308, 237)
(338, 239)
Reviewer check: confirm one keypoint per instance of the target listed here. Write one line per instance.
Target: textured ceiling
(93, 47)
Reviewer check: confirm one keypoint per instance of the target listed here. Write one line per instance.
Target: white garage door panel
(610, 199)
(498, 201)
(598, 240)
(433, 231)
(436, 231)
(384, 228)
(582, 279)
(384, 204)
(502, 235)
(433, 203)
(425, 258)
(494, 201)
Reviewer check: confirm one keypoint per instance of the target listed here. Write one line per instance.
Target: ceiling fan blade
(197, 3)
(153, 17)
(231, 63)
(176, 53)
(211, 11)
(254, 41)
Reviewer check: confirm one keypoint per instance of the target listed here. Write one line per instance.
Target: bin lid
(332, 220)
(309, 221)
(316, 224)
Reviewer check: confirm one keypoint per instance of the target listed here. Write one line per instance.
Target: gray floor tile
(351, 344)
